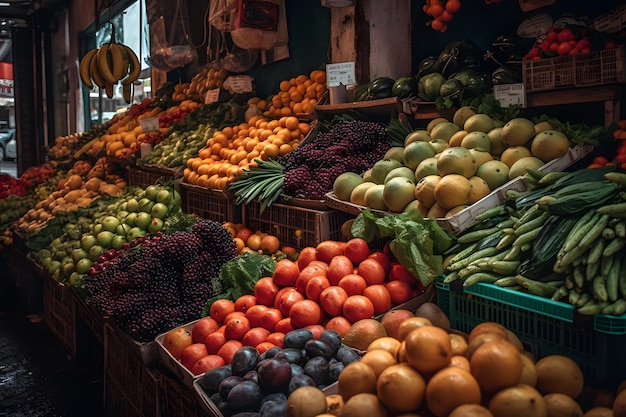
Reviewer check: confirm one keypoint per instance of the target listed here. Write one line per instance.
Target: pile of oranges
(235, 148)
(298, 94)
(330, 286)
(441, 14)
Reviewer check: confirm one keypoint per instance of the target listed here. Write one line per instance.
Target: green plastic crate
(600, 355)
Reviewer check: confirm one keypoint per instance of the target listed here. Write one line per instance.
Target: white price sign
(510, 94)
(150, 124)
(340, 74)
(212, 96)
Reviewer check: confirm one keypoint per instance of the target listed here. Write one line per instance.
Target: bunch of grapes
(351, 145)
(163, 282)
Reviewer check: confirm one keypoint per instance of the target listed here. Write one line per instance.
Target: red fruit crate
(130, 385)
(59, 312)
(180, 400)
(579, 70)
(149, 175)
(216, 205)
(295, 226)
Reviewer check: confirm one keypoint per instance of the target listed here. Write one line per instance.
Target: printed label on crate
(510, 94)
(340, 74)
(149, 124)
(212, 96)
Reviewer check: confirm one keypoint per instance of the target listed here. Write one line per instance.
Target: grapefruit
(427, 167)
(439, 145)
(395, 152)
(457, 138)
(453, 190)
(497, 145)
(518, 131)
(444, 131)
(345, 183)
(418, 135)
(478, 189)
(479, 140)
(519, 167)
(480, 156)
(357, 196)
(479, 122)
(462, 114)
(425, 190)
(562, 405)
(549, 145)
(381, 168)
(513, 153)
(456, 160)
(416, 152)
(374, 197)
(400, 172)
(435, 122)
(398, 192)
(495, 173)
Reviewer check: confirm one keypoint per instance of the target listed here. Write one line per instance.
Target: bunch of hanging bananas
(107, 65)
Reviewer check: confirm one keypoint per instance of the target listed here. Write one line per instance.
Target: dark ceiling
(19, 12)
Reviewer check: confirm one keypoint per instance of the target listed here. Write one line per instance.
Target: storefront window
(131, 29)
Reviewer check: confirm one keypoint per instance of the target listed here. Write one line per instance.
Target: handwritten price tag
(150, 124)
(340, 74)
(510, 94)
(212, 96)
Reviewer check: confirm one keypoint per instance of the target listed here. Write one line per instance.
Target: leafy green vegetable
(417, 243)
(578, 133)
(239, 275)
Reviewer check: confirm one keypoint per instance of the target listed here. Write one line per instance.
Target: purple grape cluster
(352, 145)
(163, 282)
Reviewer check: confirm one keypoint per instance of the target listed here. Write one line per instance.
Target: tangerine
(332, 300)
(214, 342)
(307, 255)
(285, 273)
(228, 349)
(340, 324)
(315, 286)
(316, 330)
(339, 267)
(254, 336)
(379, 296)
(254, 314)
(202, 328)
(382, 259)
(286, 298)
(270, 318)
(357, 307)
(357, 250)
(269, 244)
(276, 339)
(306, 274)
(264, 347)
(353, 284)
(304, 313)
(284, 325)
(206, 364)
(328, 249)
(244, 302)
(192, 353)
(400, 291)
(265, 291)
(236, 328)
(220, 309)
(372, 271)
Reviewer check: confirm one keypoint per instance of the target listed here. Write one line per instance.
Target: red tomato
(602, 160)
(554, 46)
(620, 158)
(564, 48)
(566, 35)
(552, 35)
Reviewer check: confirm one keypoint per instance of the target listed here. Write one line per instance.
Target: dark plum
(347, 355)
(318, 369)
(212, 378)
(334, 369)
(227, 384)
(246, 414)
(300, 381)
(274, 374)
(251, 376)
(245, 396)
(297, 338)
(274, 408)
(270, 352)
(244, 360)
(215, 398)
(274, 396)
(319, 347)
(225, 408)
(296, 369)
(333, 337)
(292, 355)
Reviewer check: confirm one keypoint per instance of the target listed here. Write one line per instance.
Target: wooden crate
(179, 399)
(216, 205)
(149, 175)
(59, 312)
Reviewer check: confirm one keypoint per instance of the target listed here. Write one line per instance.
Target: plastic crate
(125, 370)
(600, 355)
(284, 221)
(181, 400)
(579, 70)
(216, 205)
(59, 312)
(149, 175)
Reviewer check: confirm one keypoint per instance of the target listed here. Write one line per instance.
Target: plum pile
(261, 383)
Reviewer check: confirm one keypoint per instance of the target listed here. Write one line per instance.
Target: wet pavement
(38, 378)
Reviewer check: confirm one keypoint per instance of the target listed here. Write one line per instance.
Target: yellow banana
(94, 73)
(108, 89)
(83, 68)
(105, 63)
(119, 61)
(134, 66)
(127, 92)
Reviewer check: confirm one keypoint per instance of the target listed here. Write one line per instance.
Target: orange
(338, 267)
(269, 244)
(357, 250)
(496, 365)
(332, 300)
(372, 271)
(428, 349)
(401, 388)
(307, 255)
(264, 346)
(202, 328)
(340, 324)
(459, 344)
(207, 363)
(253, 314)
(220, 309)
(236, 328)
(357, 307)
(192, 353)
(450, 388)
(559, 374)
(229, 348)
(284, 325)
(380, 257)
(214, 342)
(479, 340)
(379, 296)
(254, 242)
(286, 273)
(304, 313)
(310, 271)
(254, 336)
(327, 249)
(353, 284)
(470, 410)
(378, 360)
(286, 298)
(460, 362)
(315, 286)
(265, 291)
(487, 327)
(619, 404)
(176, 340)
(276, 338)
(316, 329)
(244, 302)
(400, 291)
(411, 324)
(388, 343)
(398, 272)
(270, 318)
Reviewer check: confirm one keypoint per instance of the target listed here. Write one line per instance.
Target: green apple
(78, 254)
(123, 229)
(163, 196)
(132, 205)
(152, 191)
(87, 241)
(119, 240)
(121, 215)
(68, 268)
(83, 265)
(97, 228)
(104, 238)
(95, 251)
(122, 206)
(176, 197)
(145, 205)
(53, 267)
(75, 279)
(110, 223)
(130, 219)
(159, 210)
(143, 220)
(134, 233)
(155, 225)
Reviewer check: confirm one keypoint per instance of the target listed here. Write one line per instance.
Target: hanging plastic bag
(176, 51)
(258, 23)
(222, 14)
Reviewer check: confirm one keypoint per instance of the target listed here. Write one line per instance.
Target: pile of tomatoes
(565, 41)
(441, 13)
(620, 155)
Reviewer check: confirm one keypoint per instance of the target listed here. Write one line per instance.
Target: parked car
(8, 144)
